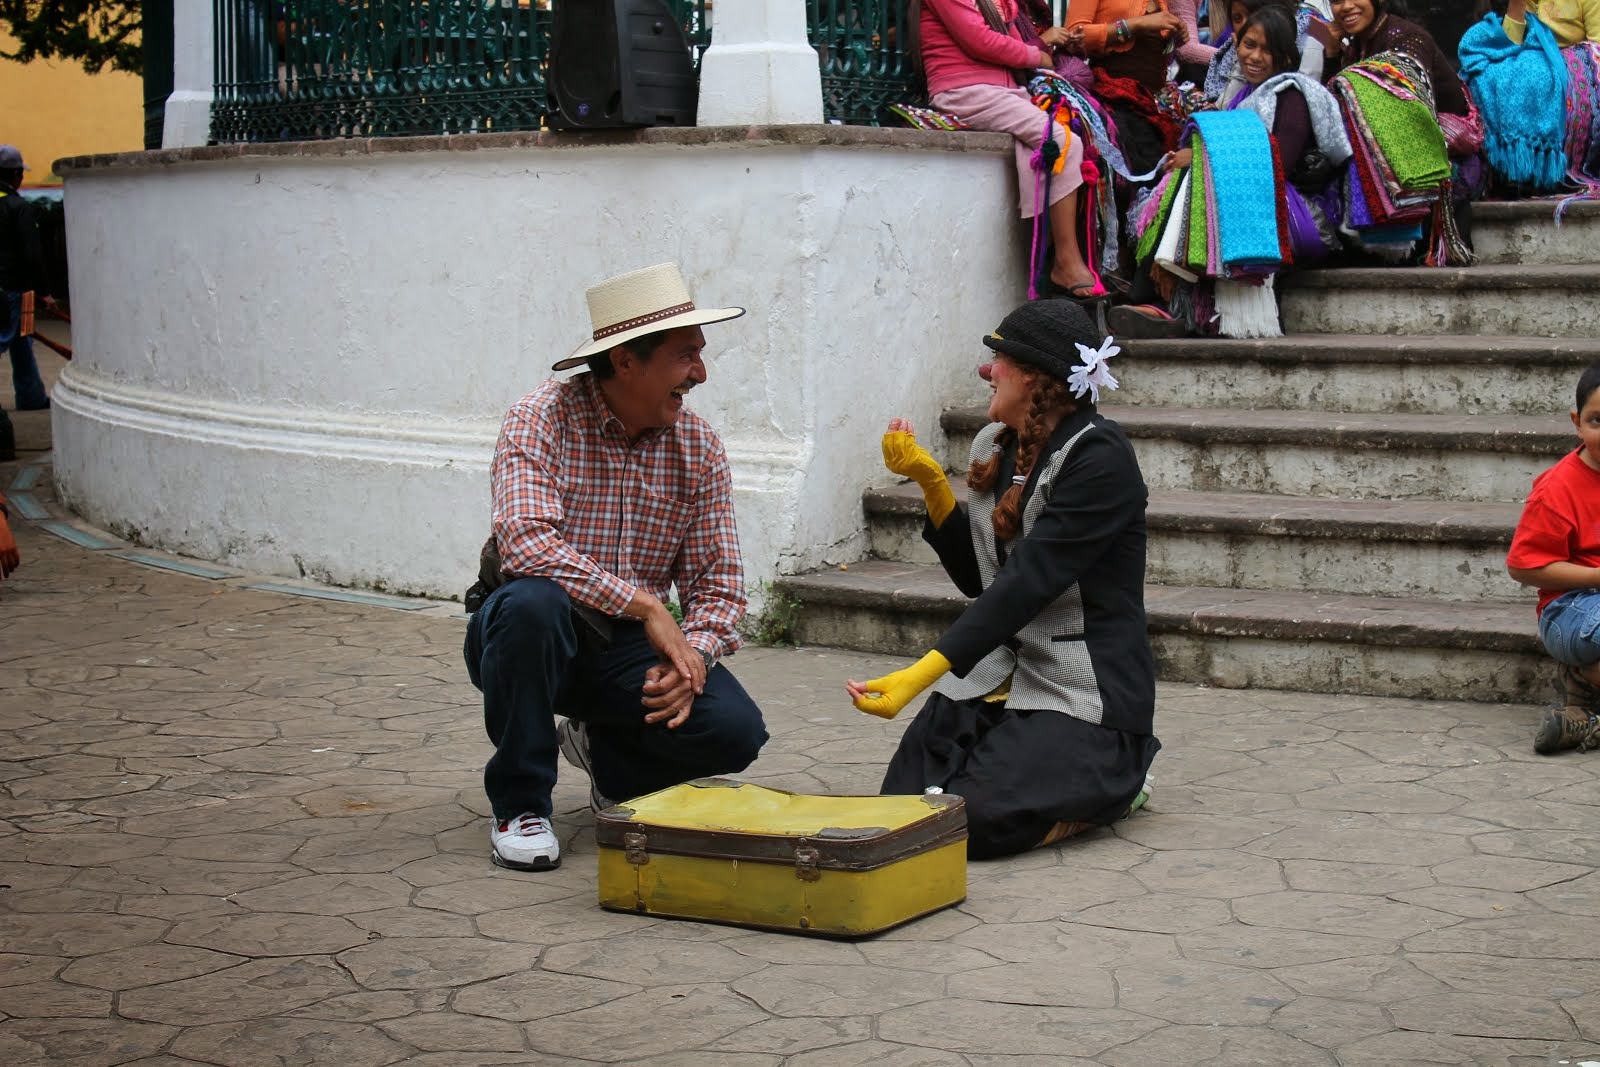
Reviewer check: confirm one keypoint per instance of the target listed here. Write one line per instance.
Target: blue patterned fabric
(1239, 154)
(1521, 92)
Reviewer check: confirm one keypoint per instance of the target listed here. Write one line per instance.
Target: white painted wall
(299, 364)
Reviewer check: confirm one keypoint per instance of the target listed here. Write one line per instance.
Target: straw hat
(640, 302)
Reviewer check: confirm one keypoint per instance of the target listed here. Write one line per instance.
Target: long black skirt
(1020, 772)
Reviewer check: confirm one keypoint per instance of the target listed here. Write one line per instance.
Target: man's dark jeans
(533, 660)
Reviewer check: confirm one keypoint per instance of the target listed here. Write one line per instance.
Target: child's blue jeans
(1569, 626)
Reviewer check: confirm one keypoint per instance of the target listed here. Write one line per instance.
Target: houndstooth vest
(1048, 661)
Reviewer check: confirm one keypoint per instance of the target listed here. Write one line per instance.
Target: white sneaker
(526, 843)
(574, 738)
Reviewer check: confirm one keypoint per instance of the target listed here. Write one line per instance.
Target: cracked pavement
(242, 828)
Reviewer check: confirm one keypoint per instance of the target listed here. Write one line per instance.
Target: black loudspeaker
(619, 63)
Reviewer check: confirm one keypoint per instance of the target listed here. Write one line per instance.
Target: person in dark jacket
(1045, 723)
(1369, 28)
(21, 271)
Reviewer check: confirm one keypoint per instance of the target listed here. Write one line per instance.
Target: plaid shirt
(577, 502)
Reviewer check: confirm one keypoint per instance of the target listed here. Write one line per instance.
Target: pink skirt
(999, 109)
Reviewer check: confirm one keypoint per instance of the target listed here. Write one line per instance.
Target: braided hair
(1050, 397)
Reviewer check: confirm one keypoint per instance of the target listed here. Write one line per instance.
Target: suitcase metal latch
(805, 864)
(635, 849)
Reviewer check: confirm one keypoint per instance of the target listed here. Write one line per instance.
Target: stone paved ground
(241, 828)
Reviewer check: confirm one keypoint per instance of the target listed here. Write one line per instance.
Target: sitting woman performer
(1305, 123)
(1045, 727)
(970, 52)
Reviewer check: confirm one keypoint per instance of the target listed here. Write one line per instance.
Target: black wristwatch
(711, 661)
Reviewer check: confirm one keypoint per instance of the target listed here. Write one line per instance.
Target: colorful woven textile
(1113, 91)
(1238, 153)
(1405, 133)
(1399, 165)
(1583, 121)
(926, 118)
(1521, 91)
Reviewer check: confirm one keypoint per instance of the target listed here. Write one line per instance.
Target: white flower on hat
(1092, 375)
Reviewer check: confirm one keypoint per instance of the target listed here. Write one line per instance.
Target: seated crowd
(1175, 170)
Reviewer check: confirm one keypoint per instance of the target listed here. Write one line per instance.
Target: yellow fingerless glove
(903, 456)
(895, 691)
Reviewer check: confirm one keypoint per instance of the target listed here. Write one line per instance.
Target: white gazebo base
(294, 358)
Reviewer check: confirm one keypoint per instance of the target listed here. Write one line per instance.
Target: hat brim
(698, 317)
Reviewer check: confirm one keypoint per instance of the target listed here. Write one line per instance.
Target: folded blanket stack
(1521, 88)
(1224, 219)
(1400, 166)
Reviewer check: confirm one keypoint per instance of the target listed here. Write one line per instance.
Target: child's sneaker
(526, 843)
(1567, 727)
(574, 738)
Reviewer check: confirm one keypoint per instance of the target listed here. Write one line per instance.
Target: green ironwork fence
(312, 69)
(315, 69)
(861, 46)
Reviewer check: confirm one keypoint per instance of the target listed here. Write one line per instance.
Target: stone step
(1408, 548)
(1233, 638)
(1525, 231)
(1350, 455)
(1527, 300)
(1359, 372)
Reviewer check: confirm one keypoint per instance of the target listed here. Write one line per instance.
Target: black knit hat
(1045, 334)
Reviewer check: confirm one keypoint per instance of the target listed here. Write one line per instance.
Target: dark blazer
(1060, 609)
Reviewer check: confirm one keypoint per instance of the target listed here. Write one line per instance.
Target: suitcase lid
(722, 818)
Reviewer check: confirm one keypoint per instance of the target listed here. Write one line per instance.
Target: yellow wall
(54, 109)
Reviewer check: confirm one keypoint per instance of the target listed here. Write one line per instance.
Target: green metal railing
(864, 66)
(317, 69)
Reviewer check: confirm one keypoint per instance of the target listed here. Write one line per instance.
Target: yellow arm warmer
(903, 456)
(895, 691)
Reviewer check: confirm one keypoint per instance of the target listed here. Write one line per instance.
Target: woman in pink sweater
(970, 69)
(1194, 58)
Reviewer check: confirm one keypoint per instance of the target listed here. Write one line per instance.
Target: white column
(760, 70)
(188, 117)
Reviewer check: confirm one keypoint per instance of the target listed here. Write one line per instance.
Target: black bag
(1313, 173)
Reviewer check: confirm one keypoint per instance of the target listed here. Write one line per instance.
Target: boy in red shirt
(1556, 549)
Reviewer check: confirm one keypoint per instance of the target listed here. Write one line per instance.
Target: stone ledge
(1496, 278)
(1373, 349)
(899, 588)
(1261, 515)
(1532, 210)
(1535, 434)
(806, 136)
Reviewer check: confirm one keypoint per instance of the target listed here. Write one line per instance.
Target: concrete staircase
(1329, 511)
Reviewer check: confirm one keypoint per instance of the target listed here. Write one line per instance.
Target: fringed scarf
(1521, 90)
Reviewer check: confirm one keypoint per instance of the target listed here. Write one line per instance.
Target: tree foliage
(95, 33)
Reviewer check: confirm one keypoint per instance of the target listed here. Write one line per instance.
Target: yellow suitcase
(732, 852)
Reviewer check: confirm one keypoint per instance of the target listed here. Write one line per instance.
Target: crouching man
(608, 492)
